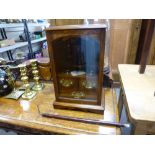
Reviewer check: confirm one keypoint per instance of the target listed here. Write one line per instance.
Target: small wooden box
(77, 59)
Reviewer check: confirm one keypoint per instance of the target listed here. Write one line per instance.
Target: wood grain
(23, 115)
(58, 22)
(151, 57)
(139, 91)
(144, 43)
(64, 100)
(124, 36)
(138, 97)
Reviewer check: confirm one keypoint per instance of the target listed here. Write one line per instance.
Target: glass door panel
(77, 66)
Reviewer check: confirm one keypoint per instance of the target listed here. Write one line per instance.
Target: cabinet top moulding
(89, 26)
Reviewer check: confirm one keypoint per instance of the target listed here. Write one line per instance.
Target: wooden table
(138, 97)
(23, 116)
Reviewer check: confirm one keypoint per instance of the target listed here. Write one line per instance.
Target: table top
(24, 115)
(139, 91)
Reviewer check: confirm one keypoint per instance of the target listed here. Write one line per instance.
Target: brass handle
(66, 82)
(88, 84)
(78, 94)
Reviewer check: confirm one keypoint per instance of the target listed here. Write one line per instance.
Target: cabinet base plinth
(99, 109)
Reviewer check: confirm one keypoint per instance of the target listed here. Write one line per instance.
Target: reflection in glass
(76, 61)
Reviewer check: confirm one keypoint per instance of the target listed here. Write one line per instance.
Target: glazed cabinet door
(76, 60)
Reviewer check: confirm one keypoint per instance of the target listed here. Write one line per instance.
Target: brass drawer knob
(78, 95)
(66, 82)
(88, 84)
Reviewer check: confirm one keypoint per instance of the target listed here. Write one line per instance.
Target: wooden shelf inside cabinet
(77, 50)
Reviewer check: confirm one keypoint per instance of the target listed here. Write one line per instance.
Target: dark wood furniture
(77, 60)
(23, 116)
(143, 50)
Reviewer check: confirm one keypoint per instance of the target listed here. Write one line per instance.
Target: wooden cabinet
(77, 57)
(123, 43)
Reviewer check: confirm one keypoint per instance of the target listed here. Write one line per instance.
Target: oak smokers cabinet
(77, 58)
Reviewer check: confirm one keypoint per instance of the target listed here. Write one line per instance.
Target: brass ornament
(88, 84)
(66, 82)
(11, 78)
(28, 94)
(78, 94)
(37, 86)
(16, 93)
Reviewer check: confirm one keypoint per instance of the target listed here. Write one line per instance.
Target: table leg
(120, 103)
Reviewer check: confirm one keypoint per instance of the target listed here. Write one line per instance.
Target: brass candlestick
(37, 86)
(11, 78)
(28, 94)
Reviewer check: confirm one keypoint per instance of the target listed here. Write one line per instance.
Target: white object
(77, 73)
